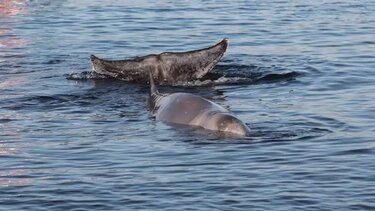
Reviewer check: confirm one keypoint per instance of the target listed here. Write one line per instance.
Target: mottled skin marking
(193, 110)
(167, 68)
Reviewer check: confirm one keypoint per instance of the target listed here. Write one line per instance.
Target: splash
(232, 74)
(86, 75)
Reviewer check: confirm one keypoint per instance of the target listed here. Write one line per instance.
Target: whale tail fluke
(177, 66)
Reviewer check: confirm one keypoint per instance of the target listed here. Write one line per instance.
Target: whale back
(184, 108)
(193, 110)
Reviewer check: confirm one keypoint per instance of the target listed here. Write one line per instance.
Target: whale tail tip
(224, 42)
(93, 57)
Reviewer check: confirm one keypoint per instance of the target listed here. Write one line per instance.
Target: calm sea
(300, 74)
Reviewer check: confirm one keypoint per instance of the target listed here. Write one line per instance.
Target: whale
(185, 109)
(169, 68)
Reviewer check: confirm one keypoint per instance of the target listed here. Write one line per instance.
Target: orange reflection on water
(11, 84)
(11, 43)
(11, 7)
(11, 177)
(10, 148)
(4, 32)
(5, 150)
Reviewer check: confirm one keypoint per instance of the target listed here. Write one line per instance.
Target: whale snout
(228, 124)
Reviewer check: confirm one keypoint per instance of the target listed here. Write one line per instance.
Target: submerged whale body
(168, 67)
(192, 110)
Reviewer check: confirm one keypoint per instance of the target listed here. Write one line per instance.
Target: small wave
(5, 120)
(223, 80)
(43, 102)
(54, 61)
(265, 135)
(240, 80)
(238, 74)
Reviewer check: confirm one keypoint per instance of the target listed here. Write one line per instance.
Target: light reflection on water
(10, 144)
(13, 178)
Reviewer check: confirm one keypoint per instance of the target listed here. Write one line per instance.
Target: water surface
(299, 74)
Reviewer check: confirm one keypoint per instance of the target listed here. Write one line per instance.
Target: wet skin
(192, 110)
(168, 67)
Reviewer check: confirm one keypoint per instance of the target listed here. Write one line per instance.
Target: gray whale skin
(191, 110)
(168, 68)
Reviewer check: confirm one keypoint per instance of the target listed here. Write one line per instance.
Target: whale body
(192, 110)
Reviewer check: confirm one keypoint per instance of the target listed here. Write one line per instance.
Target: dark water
(299, 73)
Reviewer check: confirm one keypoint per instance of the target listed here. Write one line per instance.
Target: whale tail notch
(154, 94)
(153, 89)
